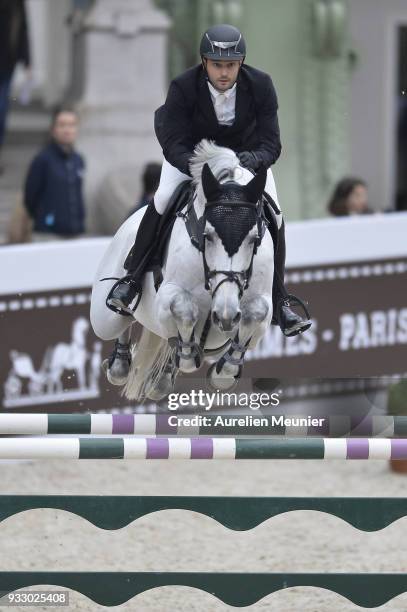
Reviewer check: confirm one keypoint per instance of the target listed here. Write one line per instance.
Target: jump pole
(382, 426)
(202, 448)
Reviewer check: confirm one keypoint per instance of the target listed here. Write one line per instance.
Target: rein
(196, 231)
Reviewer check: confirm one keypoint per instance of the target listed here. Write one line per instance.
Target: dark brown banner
(360, 324)
(51, 360)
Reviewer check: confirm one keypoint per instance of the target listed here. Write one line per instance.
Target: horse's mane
(222, 161)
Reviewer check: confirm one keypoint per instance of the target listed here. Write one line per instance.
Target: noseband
(198, 236)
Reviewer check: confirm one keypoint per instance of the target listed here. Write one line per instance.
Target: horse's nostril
(215, 317)
(237, 318)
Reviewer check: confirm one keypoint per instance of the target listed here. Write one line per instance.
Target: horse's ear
(255, 187)
(210, 184)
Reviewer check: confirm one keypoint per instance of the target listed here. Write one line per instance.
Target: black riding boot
(125, 295)
(289, 321)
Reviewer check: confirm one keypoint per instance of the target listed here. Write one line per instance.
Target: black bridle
(198, 236)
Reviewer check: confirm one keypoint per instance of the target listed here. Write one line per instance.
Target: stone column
(324, 85)
(50, 47)
(124, 70)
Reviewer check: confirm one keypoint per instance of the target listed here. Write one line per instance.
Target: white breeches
(171, 177)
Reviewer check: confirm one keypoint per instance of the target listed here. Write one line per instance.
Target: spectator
(14, 48)
(53, 187)
(350, 197)
(151, 180)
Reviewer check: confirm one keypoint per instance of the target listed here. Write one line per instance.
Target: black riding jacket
(188, 116)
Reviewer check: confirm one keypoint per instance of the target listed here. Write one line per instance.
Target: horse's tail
(150, 356)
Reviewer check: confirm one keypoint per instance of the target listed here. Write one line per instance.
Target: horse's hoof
(117, 374)
(217, 382)
(188, 366)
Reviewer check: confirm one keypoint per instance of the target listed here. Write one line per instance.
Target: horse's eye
(209, 236)
(253, 239)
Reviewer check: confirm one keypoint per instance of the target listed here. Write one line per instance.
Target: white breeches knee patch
(170, 178)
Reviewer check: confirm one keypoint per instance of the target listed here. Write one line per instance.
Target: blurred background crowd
(80, 80)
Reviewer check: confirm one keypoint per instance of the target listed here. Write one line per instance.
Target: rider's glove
(249, 159)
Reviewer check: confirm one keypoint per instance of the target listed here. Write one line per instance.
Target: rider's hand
(248, 159)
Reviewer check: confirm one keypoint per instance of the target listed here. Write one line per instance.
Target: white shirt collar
(227, 93)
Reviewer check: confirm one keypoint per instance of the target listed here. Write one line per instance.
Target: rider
(234, 105)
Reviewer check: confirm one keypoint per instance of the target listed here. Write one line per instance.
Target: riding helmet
(223, 42)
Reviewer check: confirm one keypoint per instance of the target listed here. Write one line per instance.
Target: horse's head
(233, 230)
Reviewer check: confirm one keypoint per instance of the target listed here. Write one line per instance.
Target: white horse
(214, 302)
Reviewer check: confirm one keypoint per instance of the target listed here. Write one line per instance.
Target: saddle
(182, 198)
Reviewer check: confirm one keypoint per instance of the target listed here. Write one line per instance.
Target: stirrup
(115, 304)
(288, 300)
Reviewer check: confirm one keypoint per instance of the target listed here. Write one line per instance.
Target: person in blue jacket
(53, 186)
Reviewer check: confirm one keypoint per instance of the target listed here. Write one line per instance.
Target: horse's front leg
(179, 313)
(256, 316)
(185, 311)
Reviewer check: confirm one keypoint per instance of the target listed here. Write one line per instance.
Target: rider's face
(222, 74)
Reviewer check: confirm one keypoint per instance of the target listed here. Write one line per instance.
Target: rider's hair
(337, 205)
